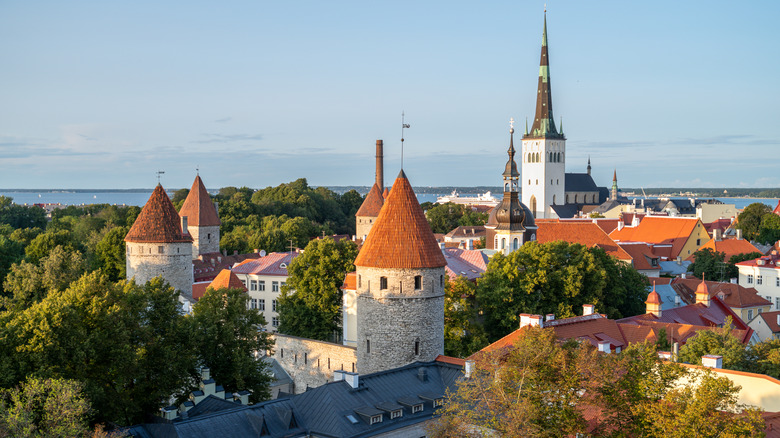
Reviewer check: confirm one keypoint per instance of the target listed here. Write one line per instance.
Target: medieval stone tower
(400, 287)
(544, 149)
(369, 210)
(202, 220)
(156, 245)
(510, 223)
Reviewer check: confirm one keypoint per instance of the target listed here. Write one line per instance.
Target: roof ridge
(158, 221)
(198, 207)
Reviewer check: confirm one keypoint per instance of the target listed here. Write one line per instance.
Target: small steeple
(510, 171)
(614, 193)
(588, 164)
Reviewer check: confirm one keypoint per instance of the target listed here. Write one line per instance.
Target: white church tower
(544, 150)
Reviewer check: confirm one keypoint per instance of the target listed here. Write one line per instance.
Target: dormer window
(438, 402)
(376, 419)
(396, 414)
(417, 408)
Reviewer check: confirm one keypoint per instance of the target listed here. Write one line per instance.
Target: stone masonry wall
(145, 261)
(363, 225)
(399, 325)
(311, 363)
(204, 240)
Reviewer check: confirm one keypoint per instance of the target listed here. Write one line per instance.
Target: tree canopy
(749, 221)
(310, 302)
(443, 218)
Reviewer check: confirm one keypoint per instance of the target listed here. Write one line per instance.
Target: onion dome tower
(653, 303)
(510, 223)
(544, 149)
(400, 287)
(156, 245)
(202, 220)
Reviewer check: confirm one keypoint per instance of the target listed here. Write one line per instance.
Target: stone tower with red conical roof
(200, 215)
(400, 287)
(369, 210)
(156, 245)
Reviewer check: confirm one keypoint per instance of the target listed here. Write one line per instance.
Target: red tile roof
(729, 247)
(771, 261)
(659, 229)
(584, 233)
(227, 280)
(372, 204)
(401, 236)
(386, 193)
(199, 289)
(158, 221)
(777, 209)
(198, 208)
(732, 295)
(207, 266)
(350, 281)
(273, 264)
(450, 360)
(718, 224)
(465, 263)
(642, 255)
(770, 318)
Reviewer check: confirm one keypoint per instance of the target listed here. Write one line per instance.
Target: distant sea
(139, 198)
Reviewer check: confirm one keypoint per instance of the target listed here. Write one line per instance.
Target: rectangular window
(417, 408)
(261, 304)
(283, 283)
(273, 305)
(777, 281)
(261, 285)
(417, 282)
(252, 284)
(275, 321)
(750, 314)
(382, 282)
(244, 281)
(160, 249)
(759, 279)
(438, 402)
(275, 286)
(777, 303)
(750, 278)
(376, 419)
(396, 414)
(253, 303)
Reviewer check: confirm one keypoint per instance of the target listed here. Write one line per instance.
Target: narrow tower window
(416, 348)
(382, 282)
(368, 346)
(417, 282)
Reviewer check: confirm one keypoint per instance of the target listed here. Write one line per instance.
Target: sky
(103, 94)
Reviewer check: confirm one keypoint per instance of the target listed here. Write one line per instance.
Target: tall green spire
(544, 123)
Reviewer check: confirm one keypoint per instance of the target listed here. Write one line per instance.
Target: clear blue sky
(101, 94)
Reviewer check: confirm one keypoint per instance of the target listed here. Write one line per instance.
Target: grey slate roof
(579, 182)
(323, 411)
(566, 211)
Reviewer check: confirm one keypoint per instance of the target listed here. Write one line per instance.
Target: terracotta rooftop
(273, 264)
(401, 236)
(207, 266)
(198, 208)
(386, 193)
(659, 229)
(717, 224)
(158, 221)
(653, 297)
(465, 263)
(770, 318)
(584, 233)
(227, 280)
(729, 247)
(771, 261)
(642, 255)
(372, 204)
(777, 209)
(350, 281)
(732, 295)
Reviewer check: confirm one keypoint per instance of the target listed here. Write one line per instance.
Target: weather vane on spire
(159, 174)
(403, 126)
(511, 125)
(197, 170)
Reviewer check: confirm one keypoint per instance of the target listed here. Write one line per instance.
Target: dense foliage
(310, 302)
(710, 264)
(463, 333)
(758, 223)
(558, 278)
(544, 388)
(443, 218)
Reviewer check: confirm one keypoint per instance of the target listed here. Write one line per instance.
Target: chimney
(675, 351)
(441, 245)
(604, 347)
(422, 374)
(470, 245)
(778, 319)
(587, 309)
(352, 379)
(739, 234)
(683, 275)
(525, 319)
(235, 252)
(620, 224)
(712, 361)
(255, 250)
(549, 317)
(635, 221)
(184, 224)
(205, 373)
(380, 179)
(676, 300)
(679, 260)
(469, 368)
(338, 375)
(717, 234)
(536, 321)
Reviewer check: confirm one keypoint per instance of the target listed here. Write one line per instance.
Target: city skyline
(99, 95)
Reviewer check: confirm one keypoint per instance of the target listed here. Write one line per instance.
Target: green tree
(41, 245)
(443, 218)
(764, 357)
(228, 337)
(128, 344)
(110, 251)
(555, 277)
(710, 265)
(310, 302)
(720, 341)
(44, 408)
(769, 232)
(29, 283)
(462, 334)
(742, 257)
(749, 221)
(21, 216)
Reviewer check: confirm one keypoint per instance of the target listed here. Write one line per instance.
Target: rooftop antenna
(403, 126)
(159, 174)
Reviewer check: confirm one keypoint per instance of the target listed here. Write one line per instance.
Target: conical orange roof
(653, 297)
(372, 204)
(158, 221)
(226, 279)
(703, 288)
(198, 207)
(401, 237)
(386, 193)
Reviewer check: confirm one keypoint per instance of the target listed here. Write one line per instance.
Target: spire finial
(561, 126)
(526, 126)
(403, 126)
(511, 125)
(159, 174)
(197, 170)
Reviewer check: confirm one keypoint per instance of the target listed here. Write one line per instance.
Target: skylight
(352, 419)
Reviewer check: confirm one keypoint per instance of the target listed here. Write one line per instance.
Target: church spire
(614, 185)
(589, 166)
(510, 171)
(544, 124)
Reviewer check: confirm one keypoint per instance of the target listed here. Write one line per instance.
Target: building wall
(204, 239)
(399, 325)
(349, 317)
(264, 299)
(581, 198)
(769, 286)
(172, 261)
(543, 180)
(747, 314)
(311, 363)
(363, 226)
(696, 240)
(712, 212)
(756, 389)
(761, 329)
